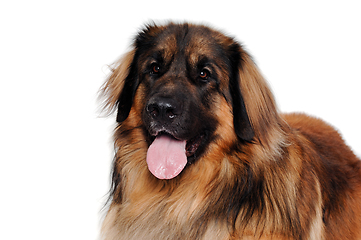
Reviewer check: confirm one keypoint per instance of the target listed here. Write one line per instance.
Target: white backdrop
(56, 152)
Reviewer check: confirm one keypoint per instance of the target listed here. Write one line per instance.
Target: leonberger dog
(203, 153)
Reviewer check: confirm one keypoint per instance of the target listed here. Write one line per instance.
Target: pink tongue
(166, 157)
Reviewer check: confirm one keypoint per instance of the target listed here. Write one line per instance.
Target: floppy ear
(258, 101)
(120, 87)
(126, 97)
(241, 122)
(254, 109)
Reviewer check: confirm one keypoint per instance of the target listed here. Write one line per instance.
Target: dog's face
(179, 76)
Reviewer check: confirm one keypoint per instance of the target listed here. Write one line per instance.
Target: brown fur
(296, 178)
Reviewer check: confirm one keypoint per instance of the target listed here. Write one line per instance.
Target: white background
(56, 152)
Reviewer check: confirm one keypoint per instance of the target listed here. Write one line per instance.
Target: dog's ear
(241, 121)
(120, 87)
(126, 97)
(255, 111)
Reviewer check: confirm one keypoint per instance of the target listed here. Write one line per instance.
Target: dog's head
(185, 86)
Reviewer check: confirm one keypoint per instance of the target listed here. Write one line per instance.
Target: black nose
(163, 109)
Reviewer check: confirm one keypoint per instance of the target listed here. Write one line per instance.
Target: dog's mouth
(167, 155)
(193, 144)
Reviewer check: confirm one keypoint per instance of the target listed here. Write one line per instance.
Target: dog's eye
(155, 68)
(204, 74)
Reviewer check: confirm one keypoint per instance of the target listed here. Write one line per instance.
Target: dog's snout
(164, 109)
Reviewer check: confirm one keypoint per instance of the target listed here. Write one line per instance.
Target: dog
(203, 153)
